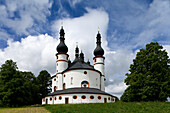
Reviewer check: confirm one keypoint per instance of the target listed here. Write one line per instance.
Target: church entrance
(66, 101)
(105, 100)
(46, 101)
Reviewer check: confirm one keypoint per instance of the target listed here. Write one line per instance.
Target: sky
(29, 32)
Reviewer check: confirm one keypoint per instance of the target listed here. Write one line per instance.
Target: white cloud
(167, 48)
(116, 89)
(84, 30)
(157, 24)
(20, 15)
(33, 53)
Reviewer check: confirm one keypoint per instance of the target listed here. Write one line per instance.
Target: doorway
(46, 101)
(105, 100)
(66, 101)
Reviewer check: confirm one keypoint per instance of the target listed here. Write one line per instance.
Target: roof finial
(61, 24)
(98, 29)
(88, 62)
(76, 44)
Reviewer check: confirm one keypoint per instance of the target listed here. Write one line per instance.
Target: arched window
(55, 88)
(84, 84)
(64, 86)
(71, 80)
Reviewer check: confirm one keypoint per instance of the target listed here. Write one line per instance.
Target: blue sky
(29, 32)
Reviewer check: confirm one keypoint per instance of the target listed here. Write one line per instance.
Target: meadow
(117, 107)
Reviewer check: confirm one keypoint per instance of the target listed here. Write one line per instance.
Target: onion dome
(76, 54)
(62, 48)
(99, 50)
(81, 57)
(69, 62)
(88, 62)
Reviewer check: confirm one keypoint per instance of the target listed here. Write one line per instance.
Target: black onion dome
(99, 50)
(62, 48)
(76, 54)
(81, 57)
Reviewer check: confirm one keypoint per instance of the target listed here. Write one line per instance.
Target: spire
(76, 52)
(99, 50)
(69, 62)
(88, 62)
(62, 48)
(81, 57)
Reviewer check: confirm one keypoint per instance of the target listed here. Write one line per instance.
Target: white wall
(99, 65)
(78, 76)
(79, 99)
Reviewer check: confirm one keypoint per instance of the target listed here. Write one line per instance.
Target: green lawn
(118, 107)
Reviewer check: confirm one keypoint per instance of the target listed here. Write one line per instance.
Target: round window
(109, 98)
(50, 99)
(92, 97)
(55, 98)
(74, 97)
(85, 72)
(83, 97)
(99, 97)
(60, 97)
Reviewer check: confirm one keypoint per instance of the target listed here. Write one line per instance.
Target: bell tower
(99, 61)
(62, 60)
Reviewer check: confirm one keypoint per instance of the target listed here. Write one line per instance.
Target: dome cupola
(99, 50)
(76, 54)
(81, 57)
(62, 48)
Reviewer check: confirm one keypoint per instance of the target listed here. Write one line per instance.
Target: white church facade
(78, 81)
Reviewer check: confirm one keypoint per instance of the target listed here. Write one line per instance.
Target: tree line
(19, 88)
(149, 75)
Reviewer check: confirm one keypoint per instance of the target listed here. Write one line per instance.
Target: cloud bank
(35, 53)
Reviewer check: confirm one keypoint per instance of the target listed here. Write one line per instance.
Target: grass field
(118, 107)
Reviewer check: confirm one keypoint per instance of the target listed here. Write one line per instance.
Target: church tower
(62, 60)
(99, 61)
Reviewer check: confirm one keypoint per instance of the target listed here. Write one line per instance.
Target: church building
(78, 81)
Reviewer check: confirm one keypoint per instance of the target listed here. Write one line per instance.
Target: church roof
(80, 65)
(79, 90)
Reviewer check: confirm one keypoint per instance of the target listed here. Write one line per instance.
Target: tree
(17, 88)
(44, 82)
(149, 77)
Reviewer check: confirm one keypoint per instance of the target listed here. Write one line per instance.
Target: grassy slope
(24, 110)
(118, 107)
